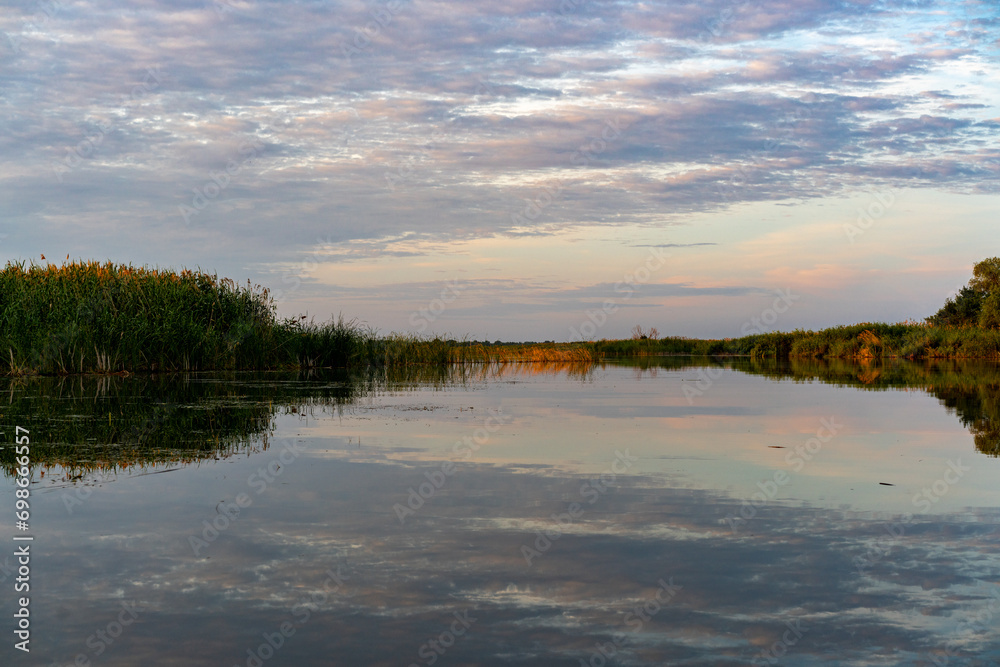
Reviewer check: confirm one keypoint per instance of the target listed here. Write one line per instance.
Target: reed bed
(92, 317)
(868, 340)
(875, 340)
(87, 317)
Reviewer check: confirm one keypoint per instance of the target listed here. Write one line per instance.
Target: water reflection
(280, 543)
(969, 388)
(110, 423)
(595, 586)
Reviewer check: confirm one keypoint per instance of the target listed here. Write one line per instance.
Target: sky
(524, 170)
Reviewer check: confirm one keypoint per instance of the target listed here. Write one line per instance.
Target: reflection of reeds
(868, 373)
(109, 423)
(536, 353)
(90, 424)
(986, 431)
(112, 423)
(969, 387)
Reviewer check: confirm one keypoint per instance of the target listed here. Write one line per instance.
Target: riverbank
(88, 317)
(869, 340)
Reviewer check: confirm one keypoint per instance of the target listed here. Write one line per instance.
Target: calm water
(667, 513)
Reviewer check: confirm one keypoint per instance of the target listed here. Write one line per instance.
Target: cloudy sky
(497, 170)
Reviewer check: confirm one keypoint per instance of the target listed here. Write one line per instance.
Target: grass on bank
(106, 318)
(868, 340)
(874, 340)
(87, 317)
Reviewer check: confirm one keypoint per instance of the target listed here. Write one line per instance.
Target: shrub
(989, 315)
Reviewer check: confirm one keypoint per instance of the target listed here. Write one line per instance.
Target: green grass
(106, 318)
(876, 340)
(94, 318)
(867, 340)
(88, 317)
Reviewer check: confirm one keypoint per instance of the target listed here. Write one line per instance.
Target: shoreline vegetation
(92, 318)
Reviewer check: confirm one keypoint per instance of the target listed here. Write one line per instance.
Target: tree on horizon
(976, 304)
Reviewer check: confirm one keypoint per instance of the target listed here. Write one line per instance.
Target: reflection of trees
(987, 435)
(970, 388)
(978, 408)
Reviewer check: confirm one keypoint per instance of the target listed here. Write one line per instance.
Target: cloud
(457, 121)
